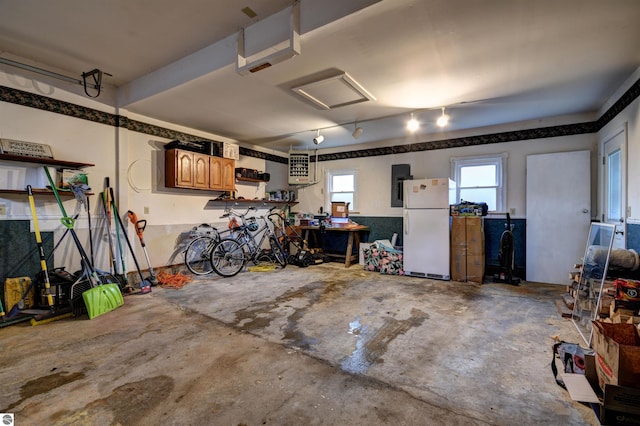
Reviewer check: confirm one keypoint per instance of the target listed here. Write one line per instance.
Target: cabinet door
(201, 171)
(228, 174)
(215, 173)
(184, 169)
(178, 169)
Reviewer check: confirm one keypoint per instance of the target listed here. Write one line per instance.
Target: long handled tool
(118, 227)
(43, 259)
(112, 258)
(100, 298)
(145, 285)
(104, 197)
(15, 310)
(140, 225)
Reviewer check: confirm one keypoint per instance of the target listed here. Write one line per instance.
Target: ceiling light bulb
(443, 120)
(318, 139)
(357, 132)
(413, 124)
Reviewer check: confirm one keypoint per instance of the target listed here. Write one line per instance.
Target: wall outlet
(512, 211)
(3, 209)
(146, 210)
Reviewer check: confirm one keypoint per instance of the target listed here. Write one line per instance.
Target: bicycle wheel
(197, 257)
(276, 251)
(227, 257)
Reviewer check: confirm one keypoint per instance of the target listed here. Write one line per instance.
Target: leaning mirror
(593, 273)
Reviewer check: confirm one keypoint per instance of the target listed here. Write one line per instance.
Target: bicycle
(290, 239)
(197, 256)
(230, 255)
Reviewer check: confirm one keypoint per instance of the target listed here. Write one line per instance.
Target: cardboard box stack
(467, 248)
(616, 372)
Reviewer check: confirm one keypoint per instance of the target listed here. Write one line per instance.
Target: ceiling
(490, 62)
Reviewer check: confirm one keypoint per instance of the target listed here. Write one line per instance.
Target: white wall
(135, 164)
(133, 161)
(374, 173)
(629, 117)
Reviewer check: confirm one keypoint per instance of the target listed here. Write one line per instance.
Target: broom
(101, 297)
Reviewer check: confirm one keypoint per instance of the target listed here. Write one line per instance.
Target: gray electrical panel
(399, 173)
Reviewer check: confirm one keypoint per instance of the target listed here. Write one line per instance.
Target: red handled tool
(140, 225)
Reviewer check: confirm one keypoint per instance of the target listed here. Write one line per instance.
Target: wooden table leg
(349, 252)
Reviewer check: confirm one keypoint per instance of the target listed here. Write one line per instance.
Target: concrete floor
(299, 346)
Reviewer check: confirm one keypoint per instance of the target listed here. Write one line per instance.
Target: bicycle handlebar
(231, 212)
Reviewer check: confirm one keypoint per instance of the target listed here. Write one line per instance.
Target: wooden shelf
(44, 161)
(238, 202)
(246, 179)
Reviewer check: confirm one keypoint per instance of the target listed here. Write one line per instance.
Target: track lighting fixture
(413, 124)
(318, 139)
(443, 120)
(357, 132)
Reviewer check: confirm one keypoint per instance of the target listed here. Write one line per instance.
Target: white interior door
(615, 184)
(558, 214)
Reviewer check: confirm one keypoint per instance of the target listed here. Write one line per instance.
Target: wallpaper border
(20, 97)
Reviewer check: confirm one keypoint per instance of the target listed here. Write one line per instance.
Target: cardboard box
(617, 348)
(339, 209)
(475, 268)
(618, 405)
(621, 406)
(467, 249)
(622, 316)
(475, 235)
(71, 175)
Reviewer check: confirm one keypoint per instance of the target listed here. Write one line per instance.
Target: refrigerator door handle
(405, 199)
(406, 223)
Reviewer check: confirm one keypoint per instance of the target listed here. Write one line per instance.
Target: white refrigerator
(425, 220)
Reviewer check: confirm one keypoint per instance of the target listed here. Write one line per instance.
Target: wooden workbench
(353, 240)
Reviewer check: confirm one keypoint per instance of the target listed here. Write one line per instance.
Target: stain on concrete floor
(371, 346)
(43, 385)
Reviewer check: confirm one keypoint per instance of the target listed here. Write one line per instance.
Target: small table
(354, 240)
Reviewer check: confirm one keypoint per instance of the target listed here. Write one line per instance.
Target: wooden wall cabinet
(221, 173)
(192, 170)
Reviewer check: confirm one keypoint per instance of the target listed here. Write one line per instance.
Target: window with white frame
(342, 186)
(481, 179)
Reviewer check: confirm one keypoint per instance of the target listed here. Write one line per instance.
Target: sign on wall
(27, 149)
